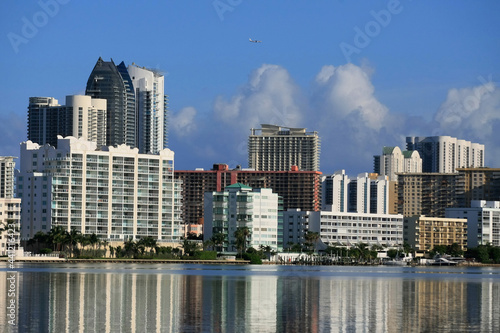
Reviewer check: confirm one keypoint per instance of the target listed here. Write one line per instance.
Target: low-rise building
(349, 229)
(483, 222)
(423, 233)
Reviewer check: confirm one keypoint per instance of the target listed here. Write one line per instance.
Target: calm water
(220, 298)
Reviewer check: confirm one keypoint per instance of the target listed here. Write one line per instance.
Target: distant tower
(114, 84)
(151, 109)
(445, 154)
(393, 160)
(277, 148)
(82, 117)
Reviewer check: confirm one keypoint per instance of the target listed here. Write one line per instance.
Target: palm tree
(219, 239)
(312, 238)
(73, 237)
(241, 234)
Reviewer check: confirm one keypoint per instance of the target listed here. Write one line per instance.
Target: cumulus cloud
(183, 123)
(346, 90)
(341, 105)
(470, 111)
(473, 114)
(270, 96)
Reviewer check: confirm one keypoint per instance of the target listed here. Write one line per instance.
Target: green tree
(218, 239)
(311, 238)
(241, 234)
(189, 247)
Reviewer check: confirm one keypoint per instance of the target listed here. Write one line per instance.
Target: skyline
(372, 72)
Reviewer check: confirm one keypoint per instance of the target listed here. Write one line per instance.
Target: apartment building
(113, 83)
(10, 207)
(444, 154)
(115, 192)
(423, 233)
(366, 193)
(349, 229)
(426, 193)
(151, 109)
(478, 184)
(241, 206)
(483, 222)
(296, 224)
(81, 116)
(393, 161)
(299, 189)
(278, 148)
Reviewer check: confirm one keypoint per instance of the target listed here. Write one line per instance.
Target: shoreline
(44, 260)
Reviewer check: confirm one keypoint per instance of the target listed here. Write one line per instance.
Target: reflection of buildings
(175, 298)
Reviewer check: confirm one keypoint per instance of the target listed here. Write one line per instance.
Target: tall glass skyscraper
(114, 84)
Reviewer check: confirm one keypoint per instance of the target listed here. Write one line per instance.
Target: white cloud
(270, 96)
(183, 123)
(470, 111)
(347, 90)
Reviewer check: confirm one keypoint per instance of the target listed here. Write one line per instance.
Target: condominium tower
(116, 193)
(82, 117)
(393, 160)
(278, 148)
(366, 193)
(151, 109)
(445, 154)
(299, 189)
(113, 83)
(10, 207)
(241, 206)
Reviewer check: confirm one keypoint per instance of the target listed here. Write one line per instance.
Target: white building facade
(483, 222)
(366, 193)
(241, 206)
(10, 207)
(349, 229)
(81, 117)
(151, 109)
(116, 193)
(444, 154)
(393, 160)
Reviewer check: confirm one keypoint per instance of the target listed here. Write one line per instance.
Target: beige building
(426, 193)
(424, 233)
(278, 148)
(10, 207)
(478, 184)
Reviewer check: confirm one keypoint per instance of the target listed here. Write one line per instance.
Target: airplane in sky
(254, 41)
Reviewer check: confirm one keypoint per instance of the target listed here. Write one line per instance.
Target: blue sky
(364, 74)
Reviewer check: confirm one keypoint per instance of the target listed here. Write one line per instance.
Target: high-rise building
(241, 206)
(393, 160)
(478, 184)
(426, 194)
(115, 192)
(151, 109)
(278, 148)
(7, 166)
(423, 233)
(10, 207)
(113, 83)
(82, 117)
(299, 189)
(366, 193)
(444, 154)
(483, 222)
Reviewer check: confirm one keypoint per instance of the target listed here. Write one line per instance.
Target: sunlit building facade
(116, 193)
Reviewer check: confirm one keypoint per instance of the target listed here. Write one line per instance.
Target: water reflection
(176, 298)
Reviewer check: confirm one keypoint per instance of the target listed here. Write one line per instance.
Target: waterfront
(98, 297)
